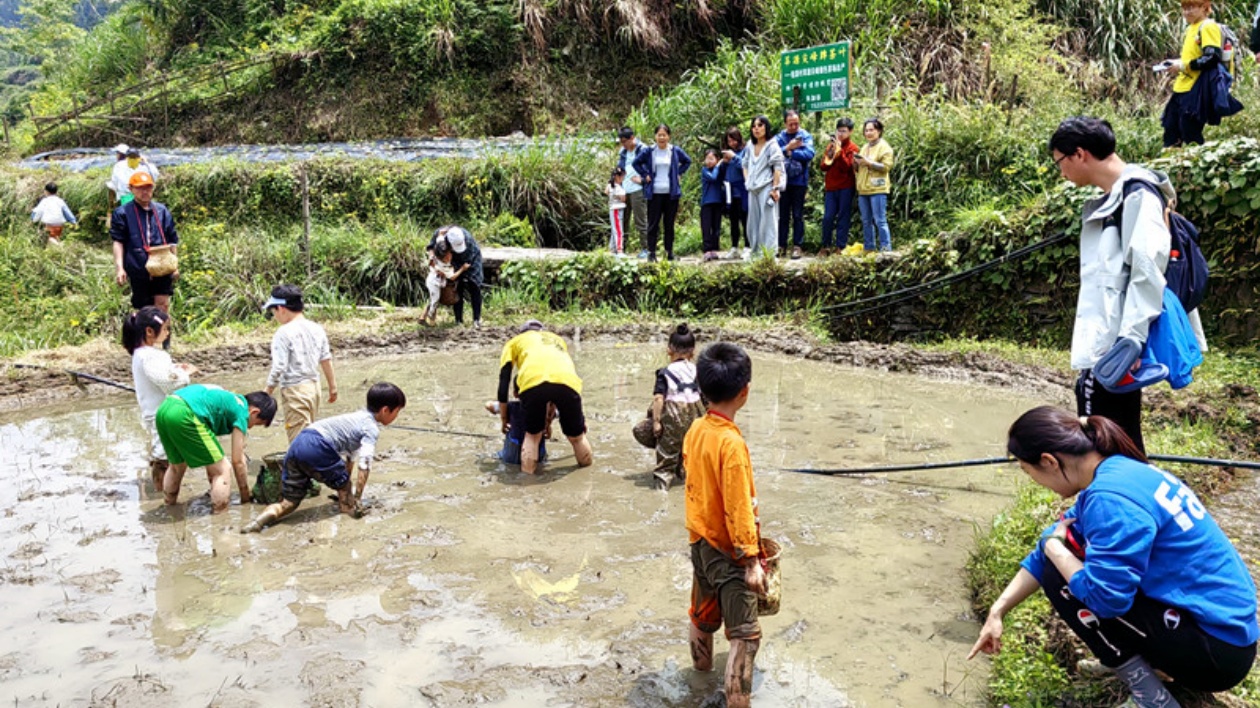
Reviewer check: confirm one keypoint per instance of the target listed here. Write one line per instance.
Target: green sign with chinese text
(820, 73)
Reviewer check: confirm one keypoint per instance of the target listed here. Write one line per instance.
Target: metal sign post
(816, 78)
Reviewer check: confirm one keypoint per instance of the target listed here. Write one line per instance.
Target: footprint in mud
(99, 582)
(333, 681)
(108, 494)
(92, 655)
(74, 617)
(138, 691)
(28, 551)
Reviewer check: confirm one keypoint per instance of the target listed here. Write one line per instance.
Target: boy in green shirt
(189, 422)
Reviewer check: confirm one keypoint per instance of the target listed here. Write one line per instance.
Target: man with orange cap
(136, 228)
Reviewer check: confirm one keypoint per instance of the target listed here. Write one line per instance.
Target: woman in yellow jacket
(872, 165)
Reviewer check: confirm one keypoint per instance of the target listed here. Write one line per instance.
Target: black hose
(903, 468)
(444, 432)
(77, 377)
(895, 297)
(1209, 461)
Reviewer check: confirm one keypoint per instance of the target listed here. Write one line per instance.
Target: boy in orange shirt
(722, 523)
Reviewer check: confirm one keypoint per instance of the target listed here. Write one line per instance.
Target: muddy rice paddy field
(470, 583)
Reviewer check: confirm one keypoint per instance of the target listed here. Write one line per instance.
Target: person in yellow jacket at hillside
(1200, 49)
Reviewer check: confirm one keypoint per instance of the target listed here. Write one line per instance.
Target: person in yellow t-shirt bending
(545, 375)
(1201, 49)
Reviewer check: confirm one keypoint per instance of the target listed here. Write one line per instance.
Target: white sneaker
(733, 255)
(476, 324)
(746, 254)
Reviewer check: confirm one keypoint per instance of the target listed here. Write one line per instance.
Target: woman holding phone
(872, 165)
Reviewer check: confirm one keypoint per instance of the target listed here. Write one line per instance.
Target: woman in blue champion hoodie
(1137, 567)
(661, 169)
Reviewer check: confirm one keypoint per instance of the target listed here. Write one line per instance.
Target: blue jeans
(837, 216)
(874, 208)
(792, 213)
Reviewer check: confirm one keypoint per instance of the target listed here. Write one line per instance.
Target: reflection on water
(470, 583)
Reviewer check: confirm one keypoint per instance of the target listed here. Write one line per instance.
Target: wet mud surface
(470, 584)
(20, 388)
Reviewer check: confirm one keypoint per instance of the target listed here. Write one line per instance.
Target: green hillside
(357, 69)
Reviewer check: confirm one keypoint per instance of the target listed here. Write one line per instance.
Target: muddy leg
(529, 452)
(361, 483)
(170, 483)
(270, 515)
(739, 672)
(220, 485)
(582, 450)
(157, 469)
(701, 649)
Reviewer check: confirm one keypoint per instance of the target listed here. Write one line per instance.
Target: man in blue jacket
(135, 228)
(798, 151)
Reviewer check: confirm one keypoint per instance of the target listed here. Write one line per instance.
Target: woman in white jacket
(155, 376)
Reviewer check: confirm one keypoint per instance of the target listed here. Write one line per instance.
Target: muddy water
(469, 583)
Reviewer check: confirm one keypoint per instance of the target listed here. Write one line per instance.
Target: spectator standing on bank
(839, 187)
(763, 178)
(1122, 264)
(616, 192)
(798, 151)
(736, 194)
(873, 164)
(712, 203)
(636, 200)
(661, 168)
(1201, 49)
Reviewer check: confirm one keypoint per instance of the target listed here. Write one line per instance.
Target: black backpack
(1187, 271)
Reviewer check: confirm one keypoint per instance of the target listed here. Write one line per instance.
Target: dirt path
(27, 387)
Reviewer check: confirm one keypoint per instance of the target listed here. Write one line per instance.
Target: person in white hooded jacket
(1124, 249)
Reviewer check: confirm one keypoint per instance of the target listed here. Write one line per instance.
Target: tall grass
(805, 23)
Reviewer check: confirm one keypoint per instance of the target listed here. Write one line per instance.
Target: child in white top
(155, 376)
(616, 206)
(676, 404)
(53, 212)
(299, 350)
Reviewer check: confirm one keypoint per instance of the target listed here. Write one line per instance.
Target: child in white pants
(616, 206)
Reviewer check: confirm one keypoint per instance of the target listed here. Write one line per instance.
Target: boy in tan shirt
(721, 505)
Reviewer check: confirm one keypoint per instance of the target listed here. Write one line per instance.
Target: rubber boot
(739, 672)
(701, 649)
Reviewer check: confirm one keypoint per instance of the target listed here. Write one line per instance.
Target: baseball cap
(456, 237)
(531, 326)
(121, 148)
(289, 296)
(141, 179)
